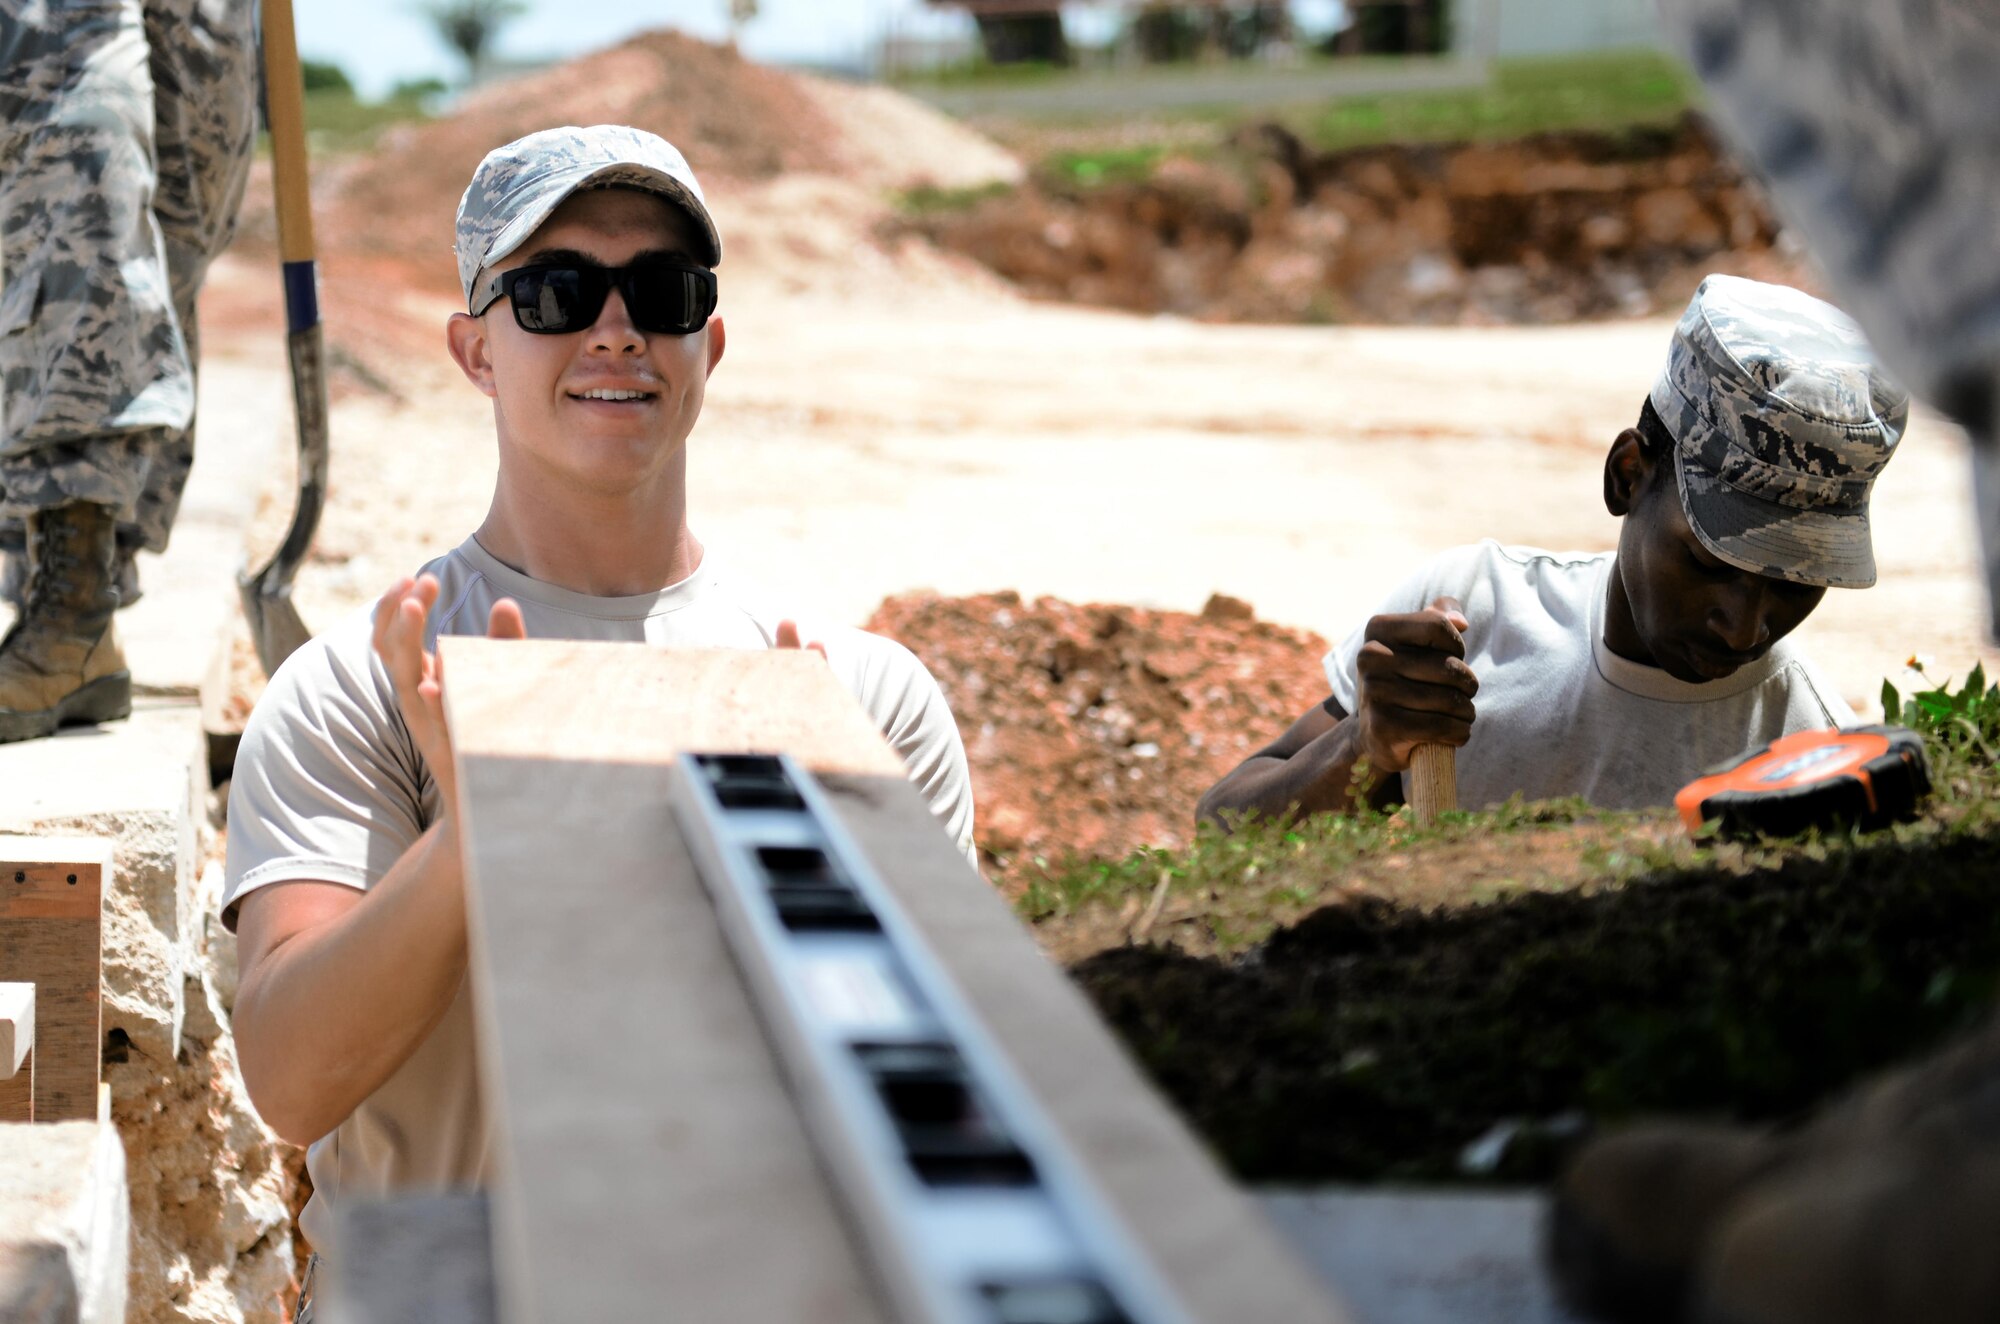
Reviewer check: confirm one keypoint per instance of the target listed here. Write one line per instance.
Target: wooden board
(651, 1162)
(51, 929)
(616, 703)
(17, 1093)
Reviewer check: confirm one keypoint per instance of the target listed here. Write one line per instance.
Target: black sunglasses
(664, 298)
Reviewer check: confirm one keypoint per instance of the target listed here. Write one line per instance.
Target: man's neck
(1621, 635)
(601, 547)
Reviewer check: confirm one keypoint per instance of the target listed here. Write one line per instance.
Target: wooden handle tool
(1433, 782)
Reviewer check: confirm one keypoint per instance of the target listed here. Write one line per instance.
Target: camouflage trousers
(125, 135)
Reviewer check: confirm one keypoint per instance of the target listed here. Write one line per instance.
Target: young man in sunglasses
(587, 257)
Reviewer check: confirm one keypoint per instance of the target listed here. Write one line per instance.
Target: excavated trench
(1552, 228)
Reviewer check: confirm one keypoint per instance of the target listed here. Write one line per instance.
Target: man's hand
(1415, 687)
(788, 637)
(418, 675)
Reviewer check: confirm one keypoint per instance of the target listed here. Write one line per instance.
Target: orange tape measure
(1865, 776)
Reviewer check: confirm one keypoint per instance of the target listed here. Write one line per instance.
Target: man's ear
(1627, 470)
(465, 336)
(718, 337)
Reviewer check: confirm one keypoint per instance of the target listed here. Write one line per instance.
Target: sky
(382, 42)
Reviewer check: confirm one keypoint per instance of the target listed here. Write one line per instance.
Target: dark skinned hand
(1415, 687)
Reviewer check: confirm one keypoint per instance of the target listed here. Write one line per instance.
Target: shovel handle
(274, 622)
(1433, 781)
(285, 116)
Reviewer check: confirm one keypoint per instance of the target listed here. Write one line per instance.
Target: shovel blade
(275, 625)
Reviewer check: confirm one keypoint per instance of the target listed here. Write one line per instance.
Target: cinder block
(137, 784)
(65, 1223)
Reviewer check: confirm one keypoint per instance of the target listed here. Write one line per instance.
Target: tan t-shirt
(329, 787)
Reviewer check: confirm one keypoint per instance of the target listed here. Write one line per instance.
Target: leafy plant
(1960, 728)
(931, 200)
(1110, 165)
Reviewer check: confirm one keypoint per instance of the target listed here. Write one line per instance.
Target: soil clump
(1379, 1039)
(1093, 729)
(1552, 228)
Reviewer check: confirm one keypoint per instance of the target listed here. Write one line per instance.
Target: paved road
(1424, 1257)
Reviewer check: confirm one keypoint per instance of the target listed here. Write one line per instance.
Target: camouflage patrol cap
(1781, 419)
(517, 187)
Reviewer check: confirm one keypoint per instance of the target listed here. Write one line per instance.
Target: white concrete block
(137, 783)
(65, 1223)
(1425, 1257)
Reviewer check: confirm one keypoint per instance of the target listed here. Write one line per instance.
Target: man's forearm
(1318, 779)
(329, 1015)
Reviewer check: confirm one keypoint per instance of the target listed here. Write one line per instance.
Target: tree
(741, 13)
(418, 89)
(324, 76)
(1029, 36)
(469, 27)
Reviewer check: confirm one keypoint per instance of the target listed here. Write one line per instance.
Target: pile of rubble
(1093, 730)
(744, 127)
(1551, 228)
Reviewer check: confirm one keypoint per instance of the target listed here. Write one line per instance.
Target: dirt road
(963, 440)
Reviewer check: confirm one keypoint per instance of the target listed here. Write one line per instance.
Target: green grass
(1112, 165)
(1606, 93)
(1245, 882)
(340, 121)
(1602, 92)
(930, 200)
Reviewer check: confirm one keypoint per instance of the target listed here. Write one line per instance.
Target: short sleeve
(903, 697)
(328, 786)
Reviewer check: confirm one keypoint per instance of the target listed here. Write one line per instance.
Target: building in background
(1516, 28)
(1164, 31)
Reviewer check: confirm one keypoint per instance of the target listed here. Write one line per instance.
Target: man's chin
(1700, 668)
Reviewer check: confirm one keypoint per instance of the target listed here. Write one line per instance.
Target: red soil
(1094, 729)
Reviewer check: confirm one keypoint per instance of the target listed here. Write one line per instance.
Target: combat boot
(14, 578)
(61, 664)
(1636, 1211)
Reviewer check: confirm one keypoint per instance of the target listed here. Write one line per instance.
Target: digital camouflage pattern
(517, 186)
(1876, 126)
(125, 135)
(1782, 419)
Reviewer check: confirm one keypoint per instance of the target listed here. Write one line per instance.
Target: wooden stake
(1433, 782)
(51, 935)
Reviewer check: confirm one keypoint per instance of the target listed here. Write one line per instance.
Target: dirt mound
(739, 123)
(1551, 228)
(1094, 729)
(1378, 1040)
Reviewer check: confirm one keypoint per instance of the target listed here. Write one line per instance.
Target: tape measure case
(1864, 776)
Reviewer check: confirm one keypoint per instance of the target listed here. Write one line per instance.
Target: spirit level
(961, 1197)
